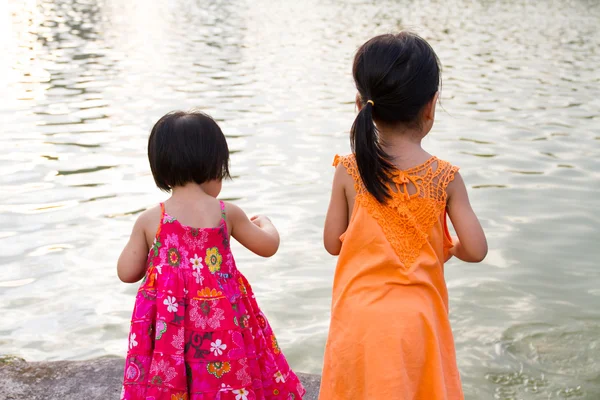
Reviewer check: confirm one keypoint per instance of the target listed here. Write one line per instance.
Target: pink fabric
(197, 332)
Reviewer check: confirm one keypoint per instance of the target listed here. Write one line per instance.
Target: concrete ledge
(98, 379)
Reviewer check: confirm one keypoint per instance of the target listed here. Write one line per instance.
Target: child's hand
(452, 252)
(264, 223)
(455, 241)
(261, 221)
(257, 234)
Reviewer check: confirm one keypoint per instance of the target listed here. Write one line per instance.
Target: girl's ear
(429, 112)
(358, 102)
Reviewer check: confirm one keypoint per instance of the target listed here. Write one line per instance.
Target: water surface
(82, 82)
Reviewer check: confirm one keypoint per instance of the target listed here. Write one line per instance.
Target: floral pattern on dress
(134, 370)
(241, 394)
(195, 238)
(279, 377)
(174, 257)
(155, 246)
(208, 293)
(218, 369)
(217, 347)
(161, 328)
(163, 372)
(179, 339)
(242, 374)
(171, 303)
(196, 263)
(196, 324)
(206, 313)
(132, 341)
(213, 259)
(171, 252)
(275, 344)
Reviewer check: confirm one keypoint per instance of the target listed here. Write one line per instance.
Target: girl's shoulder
(348, 164)
(442, 164)
(346, 172)
(345, 160)
(434, 169)
(232, 211)
(150, 220)
(443, 172)
(152, 215)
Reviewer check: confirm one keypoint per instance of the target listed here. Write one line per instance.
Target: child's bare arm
(336, 221)
(258, 235)
(471, 245)
(131, 266)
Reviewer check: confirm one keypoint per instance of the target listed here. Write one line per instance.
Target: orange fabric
(390, 336)
(162, 216)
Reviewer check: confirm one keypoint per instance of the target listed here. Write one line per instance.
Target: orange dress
(390, 335)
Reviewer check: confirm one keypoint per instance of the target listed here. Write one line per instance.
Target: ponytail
(373, 162)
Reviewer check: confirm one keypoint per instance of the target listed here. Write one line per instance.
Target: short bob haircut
(187, 147)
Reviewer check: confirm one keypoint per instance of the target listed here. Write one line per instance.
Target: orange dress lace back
(390, 335)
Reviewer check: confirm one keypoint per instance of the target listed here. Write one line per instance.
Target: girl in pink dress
(196, 331)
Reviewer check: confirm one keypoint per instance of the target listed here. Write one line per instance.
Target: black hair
(400, 74)
(187, 147)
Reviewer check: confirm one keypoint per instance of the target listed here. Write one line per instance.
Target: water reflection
(81, 82)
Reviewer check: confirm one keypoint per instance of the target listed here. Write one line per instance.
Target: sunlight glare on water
(82, 82)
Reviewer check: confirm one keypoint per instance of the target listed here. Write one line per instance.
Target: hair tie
(372, 102)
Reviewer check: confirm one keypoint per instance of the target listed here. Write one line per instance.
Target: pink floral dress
(197, 332)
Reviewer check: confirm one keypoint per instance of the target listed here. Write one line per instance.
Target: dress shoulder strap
(223, 213)
(349, 163)
(440, 179)
(431, 178)
(162, 218)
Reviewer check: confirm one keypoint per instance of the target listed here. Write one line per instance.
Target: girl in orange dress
(390, 335)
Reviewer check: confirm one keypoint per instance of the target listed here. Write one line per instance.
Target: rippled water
(81, 83)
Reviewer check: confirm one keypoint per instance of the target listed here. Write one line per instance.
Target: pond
(82, 82)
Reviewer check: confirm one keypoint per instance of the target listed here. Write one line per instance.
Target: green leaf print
(156, 246)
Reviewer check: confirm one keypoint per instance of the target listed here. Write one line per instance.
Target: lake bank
(99, 379)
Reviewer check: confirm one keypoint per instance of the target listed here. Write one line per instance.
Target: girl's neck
(403, 146)
(188, 191)
(192, 190)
